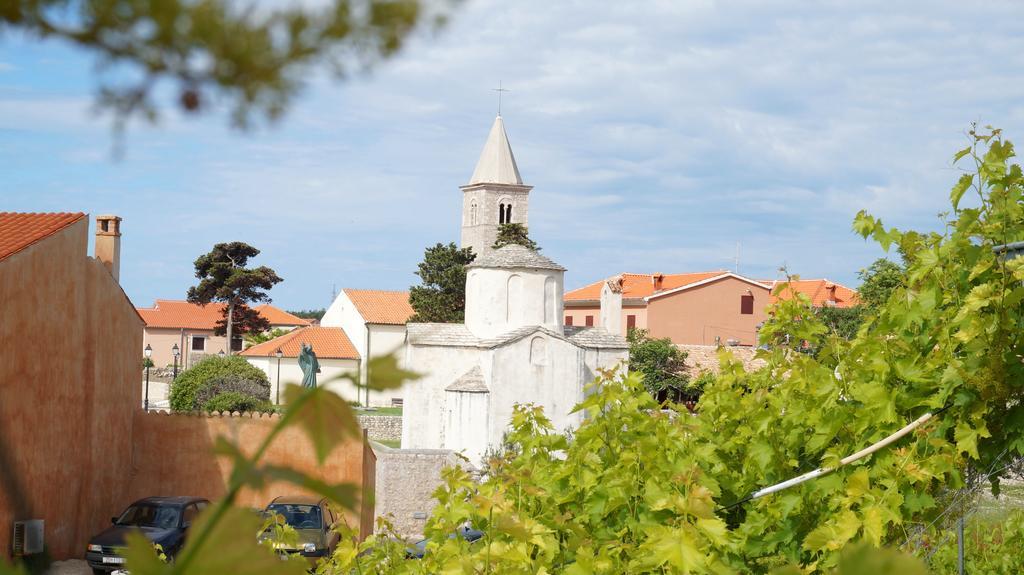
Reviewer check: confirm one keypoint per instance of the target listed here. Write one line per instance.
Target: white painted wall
(292, 373)
(501, 300)
(538, 369)
(382, 339)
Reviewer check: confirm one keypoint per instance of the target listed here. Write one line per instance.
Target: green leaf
(959, 155)
(966, 439)
(325, 416)
(961, 187)
(385, 373)
(229, 546)
(141, 557)
(344, 494)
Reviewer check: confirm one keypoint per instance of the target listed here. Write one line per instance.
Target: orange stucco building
(703, 308)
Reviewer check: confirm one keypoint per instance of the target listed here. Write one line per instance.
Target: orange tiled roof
(379, 306)
(819, 291)
(277, 316)
(640, 285)
(177, 314)
(20, 230)
(327, 342)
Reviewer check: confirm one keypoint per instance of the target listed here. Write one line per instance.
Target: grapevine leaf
(962, 185)
(325, 416)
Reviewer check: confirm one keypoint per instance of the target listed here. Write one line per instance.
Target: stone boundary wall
(172, 454)
(700, 358)
(386, 427)
(406, 480)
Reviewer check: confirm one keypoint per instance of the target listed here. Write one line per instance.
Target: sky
(659, 136)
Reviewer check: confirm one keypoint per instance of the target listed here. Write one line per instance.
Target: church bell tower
(495, 193)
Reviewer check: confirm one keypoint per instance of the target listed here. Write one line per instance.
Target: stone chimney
(611, 305)
(108, 244)
(658, 280)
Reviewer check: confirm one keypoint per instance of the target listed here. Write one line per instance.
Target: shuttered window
(746, 304)
(630, 321)
(568, 320)
(590, 320)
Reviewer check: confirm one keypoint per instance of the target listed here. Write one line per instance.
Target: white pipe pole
(844, 461)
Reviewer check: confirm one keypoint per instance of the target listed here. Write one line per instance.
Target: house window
(746, 304)
(630, 321)
(198, 343)
(568, 320)
(236, 344)
(590, 321)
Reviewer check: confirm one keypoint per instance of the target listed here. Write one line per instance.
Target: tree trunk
(231, 319)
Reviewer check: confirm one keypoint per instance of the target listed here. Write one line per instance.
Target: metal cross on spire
(499, 90)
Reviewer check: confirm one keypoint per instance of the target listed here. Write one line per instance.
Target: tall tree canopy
(878, 281)
(252, 57)
(509, 234)
(442, 295)
(661, 364)
(224, 278)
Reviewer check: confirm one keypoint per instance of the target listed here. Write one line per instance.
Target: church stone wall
(499, 300)
(424, 413)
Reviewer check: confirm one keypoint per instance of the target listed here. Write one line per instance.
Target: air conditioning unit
(28, 537)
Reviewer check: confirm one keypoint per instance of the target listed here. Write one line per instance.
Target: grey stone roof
(471, 382)
(595, 337)
(515, 256)
(458, 335)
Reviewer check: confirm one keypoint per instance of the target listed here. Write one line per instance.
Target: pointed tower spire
(497, 165)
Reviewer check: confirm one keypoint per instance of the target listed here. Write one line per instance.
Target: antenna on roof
(334, 292)
(737, 258)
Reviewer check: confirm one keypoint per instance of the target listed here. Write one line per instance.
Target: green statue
(310, 366)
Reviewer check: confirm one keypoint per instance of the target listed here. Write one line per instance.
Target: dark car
(313, 521)
(163, 520)
(420, 547)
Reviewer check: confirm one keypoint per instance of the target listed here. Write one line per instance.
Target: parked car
(163, 520)
(420, 547)
(313, 521)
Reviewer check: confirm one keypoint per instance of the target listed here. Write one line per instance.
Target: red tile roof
(379, 306)
(177, 314)
(277, 316)
(819, 291)
(640, 285)
(20, 230)
(327, 342)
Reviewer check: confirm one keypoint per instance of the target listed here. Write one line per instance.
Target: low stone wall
(700, 358)
(382, 427)
(406, 480)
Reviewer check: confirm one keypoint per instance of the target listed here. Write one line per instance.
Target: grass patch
(379, 411)
(392, 443)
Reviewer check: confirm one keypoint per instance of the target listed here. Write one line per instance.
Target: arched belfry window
(501, 214)
(508, 214)
(472, 214)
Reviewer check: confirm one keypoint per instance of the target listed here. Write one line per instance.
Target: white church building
(512, 347)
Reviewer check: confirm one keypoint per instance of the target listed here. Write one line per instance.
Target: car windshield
(160, 516)
(298, 516)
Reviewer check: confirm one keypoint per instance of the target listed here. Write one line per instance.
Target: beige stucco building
(191, 327)
(704, 308)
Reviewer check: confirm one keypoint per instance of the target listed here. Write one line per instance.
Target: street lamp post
(278, 355)
(220, 354)
(175, 352)
(148, 353)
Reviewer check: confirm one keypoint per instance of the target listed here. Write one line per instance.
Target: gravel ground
(70, 567)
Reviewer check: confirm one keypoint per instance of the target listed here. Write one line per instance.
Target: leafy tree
(509, 234)
(245, 320)
(660, 363)
(264, 336)
(224, 278)
(841, 321)
(251, 57)
(442, 295)
(316, 314)
(879, 281)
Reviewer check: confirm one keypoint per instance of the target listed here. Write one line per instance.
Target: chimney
(831, 289)
(611, 305)
(658, 280)
(108, 244)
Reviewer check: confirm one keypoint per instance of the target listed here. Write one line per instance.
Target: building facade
(191, 327)
(375, 321)
(704, 308)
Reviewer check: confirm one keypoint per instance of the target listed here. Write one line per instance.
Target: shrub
(661, 363)
(237, 401)
(233, 383)
(185, 390)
